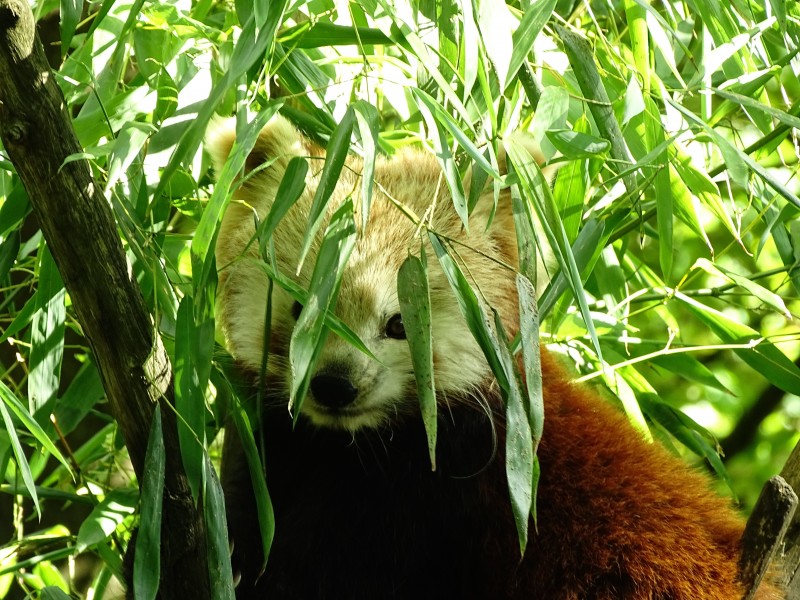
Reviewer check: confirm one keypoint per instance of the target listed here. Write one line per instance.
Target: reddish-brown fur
(611, 502)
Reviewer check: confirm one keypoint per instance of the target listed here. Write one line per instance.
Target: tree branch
(791, 541)
(78, 226)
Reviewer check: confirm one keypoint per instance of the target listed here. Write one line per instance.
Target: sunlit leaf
(106, 517)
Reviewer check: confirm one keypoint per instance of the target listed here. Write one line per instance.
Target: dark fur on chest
(365, 517)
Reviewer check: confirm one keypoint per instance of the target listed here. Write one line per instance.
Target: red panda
(359, 513)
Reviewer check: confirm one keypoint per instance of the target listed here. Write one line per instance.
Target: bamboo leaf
(338, 148)
(47, 337)
(193, 344)
(289, 191)
(766, 296)
(760, 354)
(533, 21)
(19, 454)
(219, 555)
(106, 517)
(251, 46)
(540, 200)
(206, 234)
(147, 556)
(266, 514)
(309, 333)
(321, 34)
(473, 313)
(415, 308)
(368, 124)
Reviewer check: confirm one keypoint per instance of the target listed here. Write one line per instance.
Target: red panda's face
(349, 389)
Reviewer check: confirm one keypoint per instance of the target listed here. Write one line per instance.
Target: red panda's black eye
(394, 327)
(296, 308)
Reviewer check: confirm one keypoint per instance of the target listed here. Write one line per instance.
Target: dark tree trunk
(78, 226)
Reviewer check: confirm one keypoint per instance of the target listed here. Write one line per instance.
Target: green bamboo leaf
(700, 185)
(126, 148)
(266, 514)
(494, 344)
(332, 322)
(539, 199)
(586, 250)
(655, 138)
(569, 189)
(336, 154)
(737, 162)
(766, 296)
(533, 21)
(449, 167)
(471, 309)
(520, 449)
(686, 366)
(192, 366)
(321, 34)
(251, 46)
(418, 49)
(84, 391)
(19, 454)
(147, 556)
(220, 573)
(100, 16)
(368, 125)
(531, 356)
(760, 354)
(415, 308)
(47, 337)
(9, 248)
(551, 114)
(291, 187)
(575, 144)
(15, 207)
(581, 59)
(166, 97)
(70, 16)
(442, 117)
(528, 245)
(309, 333)
(685, 430)
(750, 85)
(752, 104)
(52, 592)
(640, 40)
(685, 208)
(94, 448)
(106, 517)
(470, 49)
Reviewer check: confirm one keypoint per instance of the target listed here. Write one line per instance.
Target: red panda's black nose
(333, 391)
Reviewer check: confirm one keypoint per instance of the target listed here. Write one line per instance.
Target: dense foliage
(673, 216)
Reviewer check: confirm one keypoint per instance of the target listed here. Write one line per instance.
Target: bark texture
(78, 226)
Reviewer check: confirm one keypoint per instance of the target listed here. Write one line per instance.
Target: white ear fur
(219, 139)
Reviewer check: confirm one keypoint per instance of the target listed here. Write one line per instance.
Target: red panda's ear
(533, 148)
(501, 231)
(278, 142)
